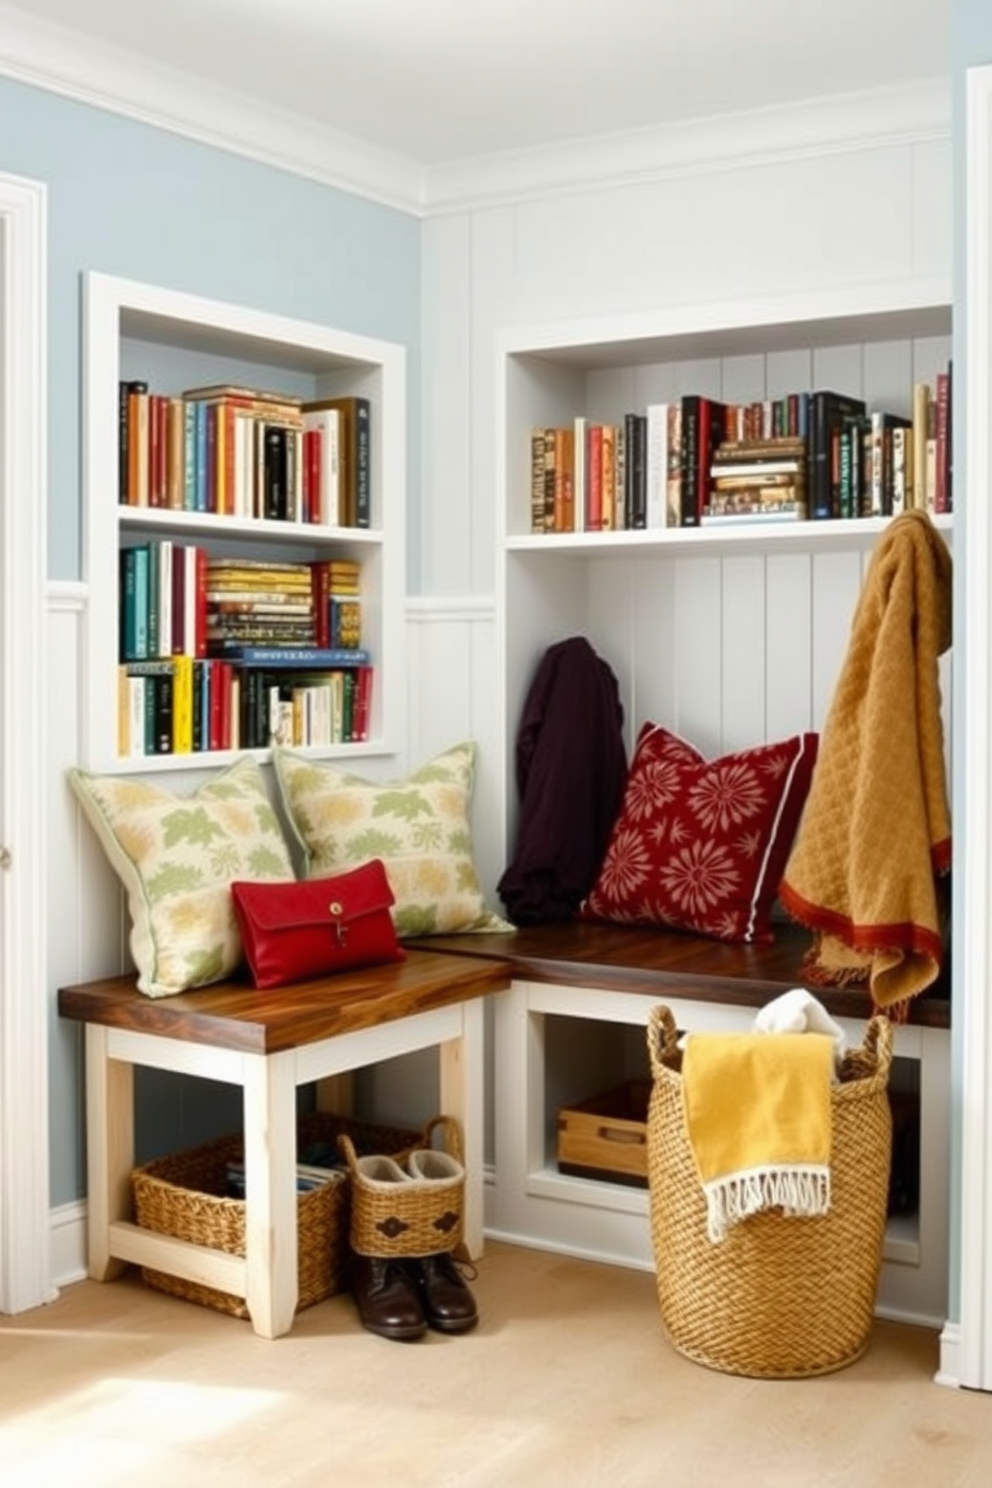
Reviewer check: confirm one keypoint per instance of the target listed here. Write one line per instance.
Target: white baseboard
(68, 1244)
(949, 1372)
(68, 1256)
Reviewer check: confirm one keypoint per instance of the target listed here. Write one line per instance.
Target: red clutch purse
(295, 930)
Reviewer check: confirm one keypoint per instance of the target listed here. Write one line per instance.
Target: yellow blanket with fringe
(876, 833)
(758, 1119)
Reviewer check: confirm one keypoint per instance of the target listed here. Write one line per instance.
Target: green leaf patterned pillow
(176, 857)
(419, 827)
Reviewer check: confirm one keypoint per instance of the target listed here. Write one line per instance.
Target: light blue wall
(128, 199)
(971, 47)
(145, 204)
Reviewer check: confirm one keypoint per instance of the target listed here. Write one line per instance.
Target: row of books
(656, 469)
(246, 452)
(308, 1177)
(187, 706)
(177, 599)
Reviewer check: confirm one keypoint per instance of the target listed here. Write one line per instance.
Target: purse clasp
(341, 931)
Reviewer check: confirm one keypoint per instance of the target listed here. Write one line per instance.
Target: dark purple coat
(571, 768)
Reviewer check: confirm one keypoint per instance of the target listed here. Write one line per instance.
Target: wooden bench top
(233, 1015)
(627, 959)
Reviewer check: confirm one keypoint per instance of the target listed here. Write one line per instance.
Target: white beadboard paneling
(446, 514)
(451, 699)
(744, 657)
(699, 627)
(788, 633)
(744, 379)
(610, 392)
(654, 679)
(931, 355)
(656, 383)
(704, 377)
(610, 625)
(788, 372)
(836, 586)
(888, 376)
(839, 368)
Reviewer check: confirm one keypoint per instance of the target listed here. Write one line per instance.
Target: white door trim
(973, 1032)
(24, 998)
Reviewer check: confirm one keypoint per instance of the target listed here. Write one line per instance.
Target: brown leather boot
(387, 1297)
(445, 1296)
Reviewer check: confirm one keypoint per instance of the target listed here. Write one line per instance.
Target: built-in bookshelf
(729, 635)
(243, 531)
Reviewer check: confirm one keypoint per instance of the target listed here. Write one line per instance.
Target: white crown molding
(99, 74)
(850, 121)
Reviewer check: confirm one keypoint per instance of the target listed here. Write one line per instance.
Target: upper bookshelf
(873, 345)
(728, 634)
(165, 344)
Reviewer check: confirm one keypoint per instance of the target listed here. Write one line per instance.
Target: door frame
(972, 1013)
(25, 1203)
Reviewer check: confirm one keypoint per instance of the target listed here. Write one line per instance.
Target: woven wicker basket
(418, 1216)
(781, 1297)
(185, 1195)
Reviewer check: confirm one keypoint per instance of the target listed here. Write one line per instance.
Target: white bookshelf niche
(175, 341)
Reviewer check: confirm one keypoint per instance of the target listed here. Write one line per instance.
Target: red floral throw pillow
(702, 844)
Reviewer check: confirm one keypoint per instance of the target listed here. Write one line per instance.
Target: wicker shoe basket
(781, 1297)
(185, 1195)
(416, 1212)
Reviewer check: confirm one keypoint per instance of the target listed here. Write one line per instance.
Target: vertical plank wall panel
(744, 652)
(654, 678)
(698, 631)
(789, 639)
(836, 586)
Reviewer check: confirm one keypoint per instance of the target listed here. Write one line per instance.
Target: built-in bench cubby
(573, 1023)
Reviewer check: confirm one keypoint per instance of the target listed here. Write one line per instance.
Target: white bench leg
(462, 1072)
(270, 1192)
(109, 1150)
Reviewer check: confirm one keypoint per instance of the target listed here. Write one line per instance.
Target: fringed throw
(758, 1120)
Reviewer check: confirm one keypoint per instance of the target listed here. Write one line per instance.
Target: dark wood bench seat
(627, 959)
(269, 1044)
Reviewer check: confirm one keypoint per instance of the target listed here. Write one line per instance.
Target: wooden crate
(605, 1136)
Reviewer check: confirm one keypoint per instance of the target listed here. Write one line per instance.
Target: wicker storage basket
(185, 1195)
(416, 1217)
(781, 1297)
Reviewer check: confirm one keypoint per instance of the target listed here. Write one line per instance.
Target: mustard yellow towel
(758, 1118)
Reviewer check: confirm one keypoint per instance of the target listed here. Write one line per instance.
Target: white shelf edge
(142, 306)
(845, 532)
(901, 1245)
(153, 764)
(217, 525)
(634, 335)
(549, 1183)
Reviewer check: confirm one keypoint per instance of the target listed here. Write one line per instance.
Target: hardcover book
(355, 454)
(828, 413)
